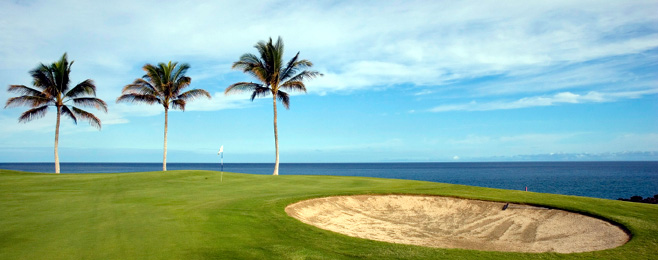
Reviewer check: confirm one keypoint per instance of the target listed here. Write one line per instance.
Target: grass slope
(192, 215)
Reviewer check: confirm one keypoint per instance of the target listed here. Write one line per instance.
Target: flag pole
(221, 179)
(221, 154)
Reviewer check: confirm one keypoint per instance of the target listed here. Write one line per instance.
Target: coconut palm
(51, 88)
(274, 77)
(162, 84)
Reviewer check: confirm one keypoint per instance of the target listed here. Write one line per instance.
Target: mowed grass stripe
(192, 215)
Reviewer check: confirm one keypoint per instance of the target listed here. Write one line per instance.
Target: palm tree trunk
(276, 141)
(164, 157)
(59, 113)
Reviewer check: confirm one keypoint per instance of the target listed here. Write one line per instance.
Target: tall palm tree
(274, 77)
(51, 88)
(162, 84)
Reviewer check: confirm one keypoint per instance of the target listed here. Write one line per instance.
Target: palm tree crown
(163, 84)
(51, 88)
(273, 77)
(268, 68)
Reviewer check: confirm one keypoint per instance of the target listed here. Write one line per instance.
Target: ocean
(607, 180)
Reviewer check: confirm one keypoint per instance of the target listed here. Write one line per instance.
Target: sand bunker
(458, 223)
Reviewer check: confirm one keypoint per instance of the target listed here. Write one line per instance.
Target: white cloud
(541, 101)
(358, 45)
(219, 101)
(423, 92)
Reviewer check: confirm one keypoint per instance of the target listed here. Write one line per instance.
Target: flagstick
(221, 178)
(221, 153)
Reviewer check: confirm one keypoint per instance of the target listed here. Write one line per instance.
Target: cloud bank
(542, 101)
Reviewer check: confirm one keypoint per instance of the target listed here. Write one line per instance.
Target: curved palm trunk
(164, 157)
(59, 113)
(276, 141)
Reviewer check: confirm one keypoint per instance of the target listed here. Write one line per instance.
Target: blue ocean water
(608, 180)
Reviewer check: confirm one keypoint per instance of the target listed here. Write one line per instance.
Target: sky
(404, 81)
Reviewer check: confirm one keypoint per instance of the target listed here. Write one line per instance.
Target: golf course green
(202, 215)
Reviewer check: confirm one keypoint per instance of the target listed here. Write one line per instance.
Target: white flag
(221, 150)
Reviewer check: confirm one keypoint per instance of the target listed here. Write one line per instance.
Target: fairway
(194, 215)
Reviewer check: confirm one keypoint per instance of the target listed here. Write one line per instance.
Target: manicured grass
(192, 215)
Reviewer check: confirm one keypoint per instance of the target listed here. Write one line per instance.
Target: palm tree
(51, 88)
(274, 77)
(162, 84)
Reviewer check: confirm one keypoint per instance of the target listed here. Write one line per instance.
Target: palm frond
(294, 86)
(241, 87)
(271, 59)
(30, 96)
(31, 101)
(153, 76)
(86, 87)
(278, 45)
(61, 70)
(252, 65)
(305, 75)
(178, 104)
(24, 90)
(193, 94)
(42, 77)
(260, 92)
(247, 61)
(34, 113)
(303, 64)
(295, 67)
(138, 98)
(284, 98)
(181, 83)
(67, 112)
(84, 115)
(140, 86)
(261, 74)
(165, 70)
(276, 53)
(91, 102)
(261, 47)
(179, 71)
(290, 69)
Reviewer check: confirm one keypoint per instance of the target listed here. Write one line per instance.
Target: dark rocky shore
(651, 200)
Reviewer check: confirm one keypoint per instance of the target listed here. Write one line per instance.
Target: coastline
(608, 180)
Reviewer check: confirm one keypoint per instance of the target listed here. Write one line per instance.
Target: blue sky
(404, 80)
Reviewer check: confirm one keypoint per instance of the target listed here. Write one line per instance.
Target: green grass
(192, 215)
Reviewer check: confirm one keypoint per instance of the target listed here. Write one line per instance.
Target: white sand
(458, 223)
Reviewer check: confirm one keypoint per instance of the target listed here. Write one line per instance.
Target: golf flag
(221, 150)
